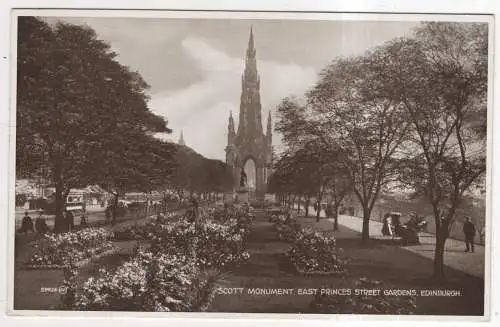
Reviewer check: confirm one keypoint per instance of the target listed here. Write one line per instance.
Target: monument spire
(250, 120)
(251, 45)
(249, 151)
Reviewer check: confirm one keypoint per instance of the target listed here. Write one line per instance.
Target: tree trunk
(164, 204)
(318, 212)
(60, 223)
(115, 206)
(147, 206)
(439, 255)
(308, 200)
(335, 217)
(365, 235)
(298, 204)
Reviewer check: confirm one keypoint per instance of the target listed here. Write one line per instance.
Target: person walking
(84, 219)
(26, 224)
(470, 232)
(386, 225)
(70, 221)
(40, 225)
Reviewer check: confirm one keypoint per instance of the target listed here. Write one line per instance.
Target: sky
(194, 66)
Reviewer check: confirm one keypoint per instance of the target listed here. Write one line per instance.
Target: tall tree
(350, 110)
(339, 187)
(441, 78)
(73, 98)
(137, 163)
(302, 174)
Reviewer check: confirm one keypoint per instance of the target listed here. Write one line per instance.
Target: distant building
(90, 195)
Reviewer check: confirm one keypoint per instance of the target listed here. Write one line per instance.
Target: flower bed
(243, 214)
(313, 253)
(364, 304)
(215, 244)
(288, 232)
(60, 250)
(287, 228)
(148, 282)
(74, 263)
(145, 231)
(132, 233)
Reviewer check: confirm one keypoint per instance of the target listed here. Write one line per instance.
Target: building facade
(249, 143)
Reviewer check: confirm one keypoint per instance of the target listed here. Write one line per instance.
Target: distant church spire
(231, 134)
(181, 139)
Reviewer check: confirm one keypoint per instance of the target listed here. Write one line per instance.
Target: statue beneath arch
(243, 178)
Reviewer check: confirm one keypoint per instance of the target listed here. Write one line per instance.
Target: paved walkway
(455, 257)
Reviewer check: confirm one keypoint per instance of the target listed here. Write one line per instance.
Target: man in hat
(470, 232)
(26, 224)
(40, 224)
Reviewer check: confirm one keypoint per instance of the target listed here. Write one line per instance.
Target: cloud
(201, 109)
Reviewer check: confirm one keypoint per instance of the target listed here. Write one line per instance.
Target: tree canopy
(408, 113)
(83, 109)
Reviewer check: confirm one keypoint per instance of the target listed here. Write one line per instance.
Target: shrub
(203, 290)
(313, 252)
(215, 245)
(66, 248)
(148, 282)
(132, 233)
(287, 228)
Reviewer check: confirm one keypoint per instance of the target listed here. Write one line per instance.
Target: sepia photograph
(257, 163)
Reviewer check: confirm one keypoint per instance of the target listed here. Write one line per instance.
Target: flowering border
(78, 264)
(339, 262)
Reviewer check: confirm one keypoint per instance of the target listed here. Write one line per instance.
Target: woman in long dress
(386, 227)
